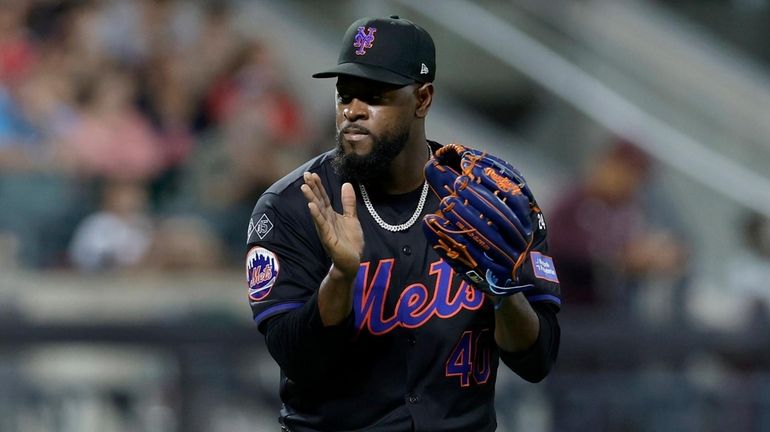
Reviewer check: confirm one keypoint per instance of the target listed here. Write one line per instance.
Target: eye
(343, 98)
(374, 98)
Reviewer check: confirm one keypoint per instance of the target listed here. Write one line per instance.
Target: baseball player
(383, 309)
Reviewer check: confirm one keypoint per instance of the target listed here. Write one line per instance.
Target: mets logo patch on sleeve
(261, 271)
(543, 267)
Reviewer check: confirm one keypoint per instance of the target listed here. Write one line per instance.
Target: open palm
(340, 234)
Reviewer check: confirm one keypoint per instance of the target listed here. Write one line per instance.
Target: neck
(406, 170)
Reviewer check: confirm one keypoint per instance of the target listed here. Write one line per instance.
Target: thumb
(348, 200)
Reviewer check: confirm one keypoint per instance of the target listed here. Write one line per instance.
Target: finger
(321, 190)
(323, 227)
(348, 200)
(308, 178)
(314, 182)
(314, 205)
(320, 221)
(310, 196)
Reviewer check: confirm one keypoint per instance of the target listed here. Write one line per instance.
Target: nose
(355, 110)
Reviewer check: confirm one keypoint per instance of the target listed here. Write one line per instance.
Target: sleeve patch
(543, 267)
(262, 269)
(260, 228)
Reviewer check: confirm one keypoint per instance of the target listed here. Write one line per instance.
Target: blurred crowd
(136, 134)
(139, 134)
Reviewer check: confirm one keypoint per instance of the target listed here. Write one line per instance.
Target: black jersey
(418, 351)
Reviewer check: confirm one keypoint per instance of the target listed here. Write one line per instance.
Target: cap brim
(359, 70)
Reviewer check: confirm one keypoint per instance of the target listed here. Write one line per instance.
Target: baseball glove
(484, 224)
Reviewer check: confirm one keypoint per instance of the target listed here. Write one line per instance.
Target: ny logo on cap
(364, 40)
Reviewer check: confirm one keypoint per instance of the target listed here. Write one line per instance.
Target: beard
(373, 167)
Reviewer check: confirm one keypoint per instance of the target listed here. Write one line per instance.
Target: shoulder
(286, 190)
(320, 164)
(283, 200)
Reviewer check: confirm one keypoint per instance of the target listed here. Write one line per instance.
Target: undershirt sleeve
(302, 346)
(535, 363)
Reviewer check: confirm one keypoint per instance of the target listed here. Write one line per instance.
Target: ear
(424, 94)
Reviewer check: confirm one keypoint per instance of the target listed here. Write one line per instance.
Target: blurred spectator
(250, 79)
(184, 243)
(217, 47)
(118, 235)
(749, 271)
(259, 121)
(20, 141)
(135, 31)
(123, 234)
(166, 98)
(17, 52)
(112, 139)
(35, 112)
(601, 237)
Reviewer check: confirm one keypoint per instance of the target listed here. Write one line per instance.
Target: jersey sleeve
(285, 262)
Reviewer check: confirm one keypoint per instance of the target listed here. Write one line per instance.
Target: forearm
(516, 324)
(335, 297)
(302, 346)
(536, 362)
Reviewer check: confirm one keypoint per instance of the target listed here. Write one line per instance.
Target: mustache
(355, 129)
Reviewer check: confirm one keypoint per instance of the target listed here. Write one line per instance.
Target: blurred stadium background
(135, 137)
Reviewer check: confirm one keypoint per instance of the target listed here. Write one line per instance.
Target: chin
(360, 147)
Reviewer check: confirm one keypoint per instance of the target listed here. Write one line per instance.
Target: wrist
(335, 299)
(497, 301)
(339, 276)
(503, 303)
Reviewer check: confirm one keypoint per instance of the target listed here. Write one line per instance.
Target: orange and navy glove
(484, 224)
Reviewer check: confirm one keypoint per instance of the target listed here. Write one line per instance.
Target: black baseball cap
(391, 50)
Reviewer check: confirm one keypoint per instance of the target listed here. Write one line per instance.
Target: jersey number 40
(470, 358)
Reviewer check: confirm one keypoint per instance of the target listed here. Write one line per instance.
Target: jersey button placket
(406, 250)
(413, 398)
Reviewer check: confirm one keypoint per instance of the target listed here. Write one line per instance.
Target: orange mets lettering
(415, 305)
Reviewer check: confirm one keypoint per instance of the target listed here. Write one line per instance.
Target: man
(369, 326)
(609, 245)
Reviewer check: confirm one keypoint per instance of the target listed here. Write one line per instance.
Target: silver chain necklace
(404, 226)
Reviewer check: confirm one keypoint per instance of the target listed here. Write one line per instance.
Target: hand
(656, 252)
(340, 234)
